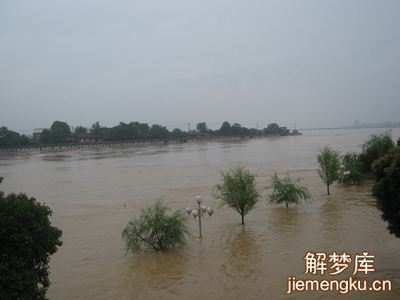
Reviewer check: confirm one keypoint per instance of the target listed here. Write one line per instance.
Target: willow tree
(238, 190)
(329, 163)
(156, 229)
(288, 190)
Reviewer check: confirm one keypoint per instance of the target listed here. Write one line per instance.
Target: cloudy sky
(313, 63)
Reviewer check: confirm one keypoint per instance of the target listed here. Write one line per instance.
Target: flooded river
(93, 194)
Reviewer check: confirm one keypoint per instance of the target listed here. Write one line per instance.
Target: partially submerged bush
(351, 169)
(288, 190)
(155, 229)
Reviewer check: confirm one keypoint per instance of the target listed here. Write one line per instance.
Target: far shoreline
(124, 143)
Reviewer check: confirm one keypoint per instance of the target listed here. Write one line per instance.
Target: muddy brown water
(89, 189)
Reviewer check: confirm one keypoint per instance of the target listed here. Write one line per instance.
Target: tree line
(62, 133)
(11, 138)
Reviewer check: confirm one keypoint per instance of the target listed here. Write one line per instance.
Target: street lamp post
(200, 211)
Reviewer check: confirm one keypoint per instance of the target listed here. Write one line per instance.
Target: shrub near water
(288, 190)
(155, 229)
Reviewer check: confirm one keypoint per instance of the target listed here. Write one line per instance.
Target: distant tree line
(12, 138)
(61, 133)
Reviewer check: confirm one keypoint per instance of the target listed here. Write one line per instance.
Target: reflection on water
(161, 271)
(286, 222)
(331, 217)
(242, 252)
(87, 190)
(242, 259)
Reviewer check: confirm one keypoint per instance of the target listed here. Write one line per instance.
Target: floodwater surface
(95, 192)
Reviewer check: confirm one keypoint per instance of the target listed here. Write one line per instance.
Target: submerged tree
(288, 190)
(27, 240)
(329, 163)
(238, 190)
(387, 188)
(156, 229)
(351, 169)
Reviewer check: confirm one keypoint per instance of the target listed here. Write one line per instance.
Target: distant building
(295, 132)
(274, 129)
(37, 133)
(86, 138)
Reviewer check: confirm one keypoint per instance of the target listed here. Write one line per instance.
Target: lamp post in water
(200, 211)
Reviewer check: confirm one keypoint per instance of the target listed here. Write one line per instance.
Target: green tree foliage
(24, 140)
(275, 129)
(375, 147)
(80, 131)
(225, 128)
(10, 138)
(329, 163)
(97, 131)
(237, 129)
(387, 188)
(238, 190)
(177, 133)
(58, 133)
(46, 137)
(143, 130)
(352, 169)
(122, 132)
(202, 127)
(288, 190)
(158, 132)
(27, 240)
(155, 229)
(272, 129)
(132, 131)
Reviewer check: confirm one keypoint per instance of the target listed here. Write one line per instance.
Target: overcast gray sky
(313, 63)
